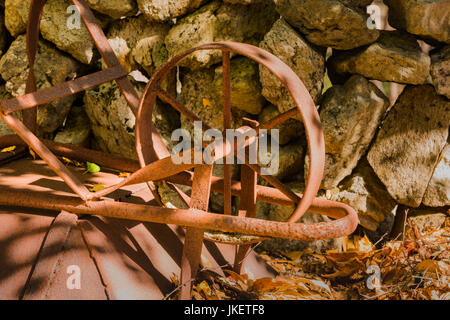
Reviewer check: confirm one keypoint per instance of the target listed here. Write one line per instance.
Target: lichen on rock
(395, 57)
(429, 19)
(329, 23)
(409, 143)
(440, 71)
(52, 67)
(306, 61)
(218, 21)
(113, 122)
(350, 116)
(139, 43)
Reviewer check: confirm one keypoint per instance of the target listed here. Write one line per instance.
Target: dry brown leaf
(9, 149)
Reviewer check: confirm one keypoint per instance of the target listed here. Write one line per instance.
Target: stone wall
(383, 149)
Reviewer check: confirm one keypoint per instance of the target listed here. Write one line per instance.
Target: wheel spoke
(226, 102)
(42, 150)
(276, 183)
(194, 237)
(167, 98)
(247, 207)
(279, 119)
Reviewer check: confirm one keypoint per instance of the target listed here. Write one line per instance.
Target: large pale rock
(440, 71)
(113, 123)
(305, 60)
(409, 143)
(329, 23)
(114, 8)
(426, 18)
(438, 190)
(395, 57)
(77, 128)
(199, 95)
(51, 68)
(279, 213)
(57, 26)
(427, 219)
(217, 21)
(163, 10)
(288, 130)
(138, 42)
(350, 115)
(365, 193)
(245, 86)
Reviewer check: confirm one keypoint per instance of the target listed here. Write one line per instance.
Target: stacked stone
(378, 155)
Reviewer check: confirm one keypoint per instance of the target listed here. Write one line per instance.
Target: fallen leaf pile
(414, 267)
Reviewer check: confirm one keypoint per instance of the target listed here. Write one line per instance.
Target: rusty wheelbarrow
(157, 165)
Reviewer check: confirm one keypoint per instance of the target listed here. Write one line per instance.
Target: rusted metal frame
(304, 103)
(193, 242)
(346, 223)
(264, 194)
(26, 131)
(65, 89)
(247, 209)
(107, 52)
(164, 168)
(77, 153)
(226, 104)
(272, 123)
(32, 42)
(47, 155)
(165, 96)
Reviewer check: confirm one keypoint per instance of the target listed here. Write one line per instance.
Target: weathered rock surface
(51, 68)
(279, 213)
(395, 57)
(305, 60)
(438, 190)
(113, 123)
(426, 219)
(409, 143)
(77, 128)
(3, 34)
(350, 115)
(242, 1)
(288, 130)
(163, 10)
(440, 71)
(217, 21)
(290, 161)
(58, 25)
(245, 86)
(16, 16)
(114, 8)
(365, 193)
(138, 42)
(54, 28)
(329, 23)
(4, 128)
(199, 95)
(427, 18)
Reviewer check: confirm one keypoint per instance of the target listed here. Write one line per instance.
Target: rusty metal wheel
(150, 148)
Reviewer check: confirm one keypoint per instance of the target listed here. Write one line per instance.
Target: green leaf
(92, 167)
